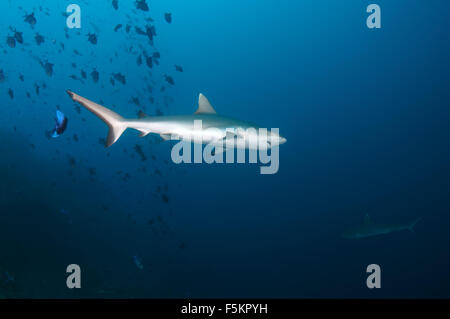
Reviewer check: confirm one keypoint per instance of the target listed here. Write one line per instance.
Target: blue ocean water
(365, 113)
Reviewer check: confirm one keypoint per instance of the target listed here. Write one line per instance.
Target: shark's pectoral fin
(221, 147)
(230, 135)
(168, 136)
(219, 150)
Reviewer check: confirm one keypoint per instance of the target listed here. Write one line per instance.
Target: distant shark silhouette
(369, 229)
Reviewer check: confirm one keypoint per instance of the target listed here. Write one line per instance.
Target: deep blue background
(365, 113)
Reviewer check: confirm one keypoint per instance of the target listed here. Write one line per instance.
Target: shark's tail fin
(413, 224)
(117, 124)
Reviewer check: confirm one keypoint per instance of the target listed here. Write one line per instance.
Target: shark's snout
(282, 140)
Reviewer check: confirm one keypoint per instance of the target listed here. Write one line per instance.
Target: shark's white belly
(209, 135)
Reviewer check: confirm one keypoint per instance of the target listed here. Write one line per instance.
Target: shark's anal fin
(143, 133)
(230, 135)
(165, 137)
(204, 107)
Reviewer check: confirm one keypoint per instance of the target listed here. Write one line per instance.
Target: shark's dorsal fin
(367, 219)
(204, 107)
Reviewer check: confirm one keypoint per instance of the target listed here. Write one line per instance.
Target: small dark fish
(135, 100)
(36, 88)
(11, 93)
(151, 32)
(139, 31)
(139, 150)
(74, 65)
(75, 137)
(117, 27)
(11, 41)
(149, 61)
(48, 67)
(178, 68)
(60, 124)
(120, 77)
(39, 39)
(95, 75)
(2, 76)
(168, 17)
(165, 198)
(141, 114)
(127, 28)
(72, 161)
(150, 37)
(30, 19)
(92, 38)
(141, 5)
(21, 78)
(74, 77)
(169, 79)
(139, 60)
(115, 4)
(156, 57)
(18, 36)
(83, 74)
